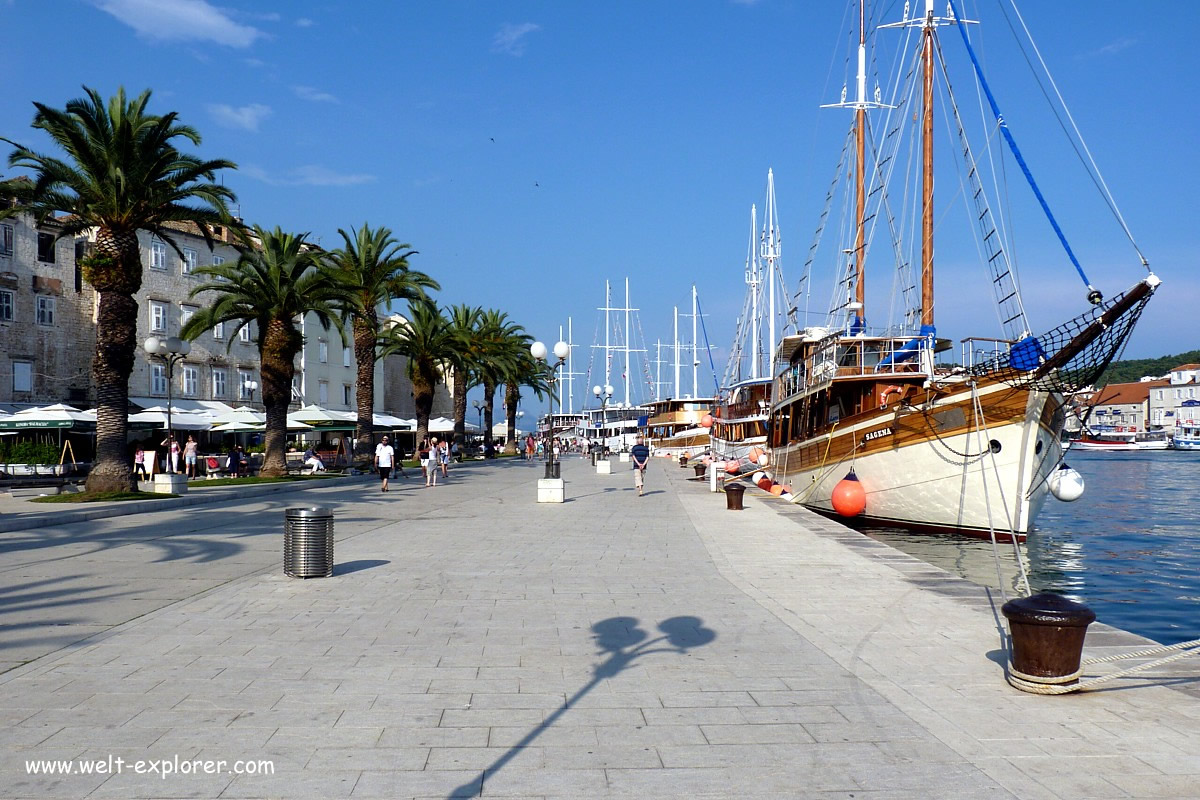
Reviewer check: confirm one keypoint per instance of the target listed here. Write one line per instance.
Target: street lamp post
(250, 386)
(603, 394)
(561, 351)
(170, 351)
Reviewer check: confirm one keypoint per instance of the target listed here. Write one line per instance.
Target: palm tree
(501, 343)
(373, 268)
(425, 339)
(525, 371)
(464, 326)
(123, 174)
(276, 281)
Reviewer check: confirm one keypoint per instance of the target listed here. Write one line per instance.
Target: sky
(531, 150)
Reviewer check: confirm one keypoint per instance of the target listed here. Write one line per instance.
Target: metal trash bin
(308, 542)
(733, 496)
(1047, 633)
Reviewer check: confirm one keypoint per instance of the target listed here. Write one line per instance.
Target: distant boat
(675, 428)
(1115, 441)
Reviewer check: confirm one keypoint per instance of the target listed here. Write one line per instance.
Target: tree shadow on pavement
(624, 642)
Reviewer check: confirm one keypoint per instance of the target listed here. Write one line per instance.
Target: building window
(188, 264)
(22, 376)
(346, 356)
(191, 381)
(218, 382)
(6, 240)
(158, 255)
(158, 317)
(219, 330)
(244, 334)
(244, 377)
(6, 306)
(323, 392)
(186, 313)
(323, 352)
(45, 310)
(46, 247)
(218, 260)
(347, 395)
(158, 379)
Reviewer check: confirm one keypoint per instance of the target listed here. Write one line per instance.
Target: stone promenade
(473, 642)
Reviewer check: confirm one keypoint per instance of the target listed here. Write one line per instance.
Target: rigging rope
(707, 346)
(1093, 295)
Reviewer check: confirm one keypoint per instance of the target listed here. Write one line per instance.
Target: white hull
(1187, 444)
(927, 485)
(1162, 444)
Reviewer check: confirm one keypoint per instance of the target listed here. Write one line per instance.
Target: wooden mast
(927, 170)
(860, 201)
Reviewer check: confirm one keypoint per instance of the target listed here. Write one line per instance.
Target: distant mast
(927, 172)
(769, 251)
(753, 281)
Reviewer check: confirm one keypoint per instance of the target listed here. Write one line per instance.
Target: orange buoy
(777, 490)
(849, 498)
(706, 421)
(787, 488)
(754, 454)
(732, 467)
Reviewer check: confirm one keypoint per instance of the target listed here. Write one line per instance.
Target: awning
(55, 416)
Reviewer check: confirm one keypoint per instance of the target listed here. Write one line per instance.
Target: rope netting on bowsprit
(1074, 354)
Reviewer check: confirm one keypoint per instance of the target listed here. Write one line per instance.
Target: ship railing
(982, 350)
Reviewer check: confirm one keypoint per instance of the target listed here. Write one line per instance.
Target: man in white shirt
(385, 457)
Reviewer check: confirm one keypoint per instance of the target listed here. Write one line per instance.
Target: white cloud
(1112, 48)
(510, 39)
(244, 117)
(304, 22)
(308, 175)
(180, 20)
(315, 95)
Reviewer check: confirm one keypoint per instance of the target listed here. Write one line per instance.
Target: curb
(128, 508)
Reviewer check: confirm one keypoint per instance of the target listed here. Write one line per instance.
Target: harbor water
(1129, 548)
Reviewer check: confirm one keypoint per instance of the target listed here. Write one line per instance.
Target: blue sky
(530, 150)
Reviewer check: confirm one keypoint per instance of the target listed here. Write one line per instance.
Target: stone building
(222, 366)
(47, 333)
(1181, 384)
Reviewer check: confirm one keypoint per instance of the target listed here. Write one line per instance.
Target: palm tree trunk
(116, 343)
(460, 409)
(489, 397)
(280, 345)
(423, 400)
(512, 398)
(365, 335)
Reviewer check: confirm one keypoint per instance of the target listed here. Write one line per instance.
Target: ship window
(996, 446)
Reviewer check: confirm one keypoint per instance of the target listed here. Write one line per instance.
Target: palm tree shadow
(624, 641)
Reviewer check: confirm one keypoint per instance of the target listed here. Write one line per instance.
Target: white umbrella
(180, 420)
(441, 425)
(58, 415)
(316, 414)
(244, 414)
(236, 427)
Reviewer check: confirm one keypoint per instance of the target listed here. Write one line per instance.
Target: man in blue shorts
(640, 456)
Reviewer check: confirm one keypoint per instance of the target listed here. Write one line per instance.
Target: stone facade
(47, 336)
(220, 363)
(1166, 401)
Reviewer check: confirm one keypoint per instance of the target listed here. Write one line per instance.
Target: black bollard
(1047, 633)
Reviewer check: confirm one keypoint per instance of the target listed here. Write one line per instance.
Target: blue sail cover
(910, 349)
(1026, 355)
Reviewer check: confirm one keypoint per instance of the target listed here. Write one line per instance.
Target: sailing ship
(679, 424)
(613, 424)
(966, 448)
(739, 424)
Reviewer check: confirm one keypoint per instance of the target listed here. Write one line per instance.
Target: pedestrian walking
(639, 454)
(385, 457)
(172, 453)
(139, 463)
(236, 460)
(529, 448)
(432, 463)
(444, 458)
(189, 457)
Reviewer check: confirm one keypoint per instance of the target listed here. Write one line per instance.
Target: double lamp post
(170, 350)
(561, 351)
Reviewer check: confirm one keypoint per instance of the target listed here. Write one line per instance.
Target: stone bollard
(1047, 633)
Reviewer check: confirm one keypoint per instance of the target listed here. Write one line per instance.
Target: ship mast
(752, 280)
(860, 104)
(927, 171)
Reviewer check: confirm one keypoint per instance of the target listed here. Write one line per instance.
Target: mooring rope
(1060, 685)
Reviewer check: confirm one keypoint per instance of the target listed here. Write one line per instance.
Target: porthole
(995, 446)
(1037, 448)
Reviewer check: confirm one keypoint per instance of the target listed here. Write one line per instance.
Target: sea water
(1129, 548)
